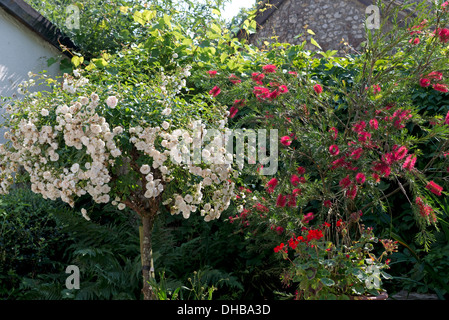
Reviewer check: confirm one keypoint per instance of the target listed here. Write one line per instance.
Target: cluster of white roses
(46, 136)
(175, 145)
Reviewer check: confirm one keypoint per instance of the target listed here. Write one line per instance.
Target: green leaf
(327, 282)
(312, 41)
(76, 61)
(223, 57)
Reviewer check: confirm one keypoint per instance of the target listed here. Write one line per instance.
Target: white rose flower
(112, 101)
(145, 169)
(121, 206)
(44, 112)
(165, 125)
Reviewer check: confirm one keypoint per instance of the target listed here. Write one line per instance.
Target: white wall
(21, 51)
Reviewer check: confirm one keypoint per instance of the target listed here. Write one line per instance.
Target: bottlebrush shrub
(343, 143)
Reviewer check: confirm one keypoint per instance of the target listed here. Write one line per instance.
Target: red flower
(293, 243)
(283, 88)
(356, 154)
(318, 89)
(326, 225)
(345, 182)
(339, 222)
(280, 248)
(382, 167)
(414, 41)
(257, 77)
(434, 188)
(215, 91)
(443, 34)
(359, 127)
(314, 234)
(376, 88)
(376, 177)
(234, 79)
(360, 178)
(409, 163)
(281, 201)
(279, 230)
(260, 207)
(364, 136)
(272, 184)
(291, 200)
(400, 152)
(261, 92)
(440, 87)
(446, 121)
(374, 124)
(294, 180)
(333, 149)
(269, 68)
(212, 73)
(424, 82)
(302, 170)
(335, 132)
(296, 191)
(232, 112)
(308, 217)
(286, 140)
(435, 75)
(351, 192)
(327, 203)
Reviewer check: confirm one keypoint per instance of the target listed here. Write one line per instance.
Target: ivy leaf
(327, 282)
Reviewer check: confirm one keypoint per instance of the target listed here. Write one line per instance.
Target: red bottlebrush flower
(364, 136)
(234, 79)
(261, 208)
(400, 153)
(446, 121)
(296, 191)
(281, 201)
(294, 73)
(286, 140)
(273, 94)
(445, 5)
(376, 88)
(212, 73)
(239, 103)
(232, 112)
(345, 182)
(414, 41)
(279, 230)
(374, 124)
(359, 127)
(301, 170)
(308, 217)
(333, 149)
(294, 180)
(435, 75)
(291, 201)
(351, 192)
(272, 184)
(360, 178)
(383, 168)
(440, 87)
(443, 34)
(269, 68)
(376, 177)
(424, 82)
(357, 153)
(327, 225)
(257, 77)
(339, 222)
(283, 88)
(434, 188)
(327, 203)
(261, 92)
(215, 91)
(318, 89)
(334, 133)
(409, 163)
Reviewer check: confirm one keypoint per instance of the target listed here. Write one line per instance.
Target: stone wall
(333, 22)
